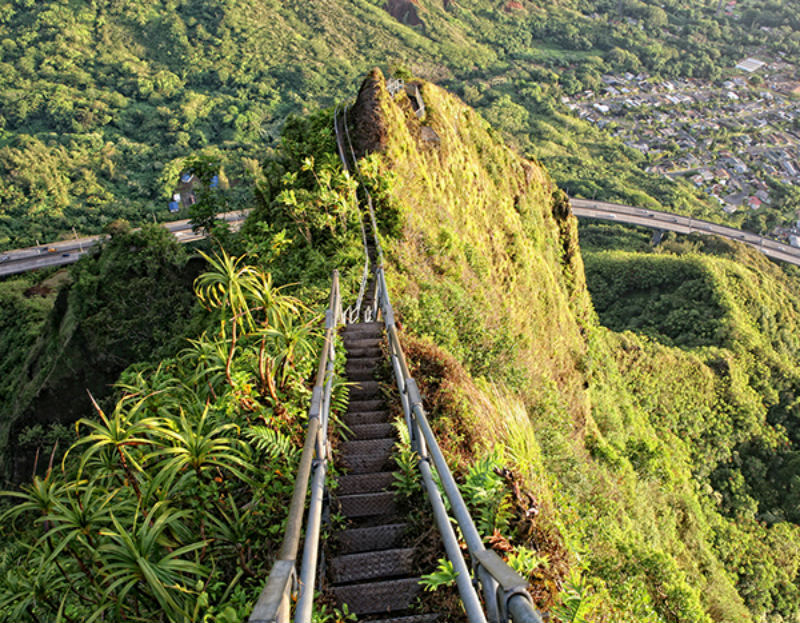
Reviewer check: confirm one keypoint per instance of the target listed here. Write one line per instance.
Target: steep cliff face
(487, 236)
(597, 429)
(404, 11)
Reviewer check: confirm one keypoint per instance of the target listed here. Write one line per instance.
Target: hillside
(83, 143)
(631, 442)
(618, 470)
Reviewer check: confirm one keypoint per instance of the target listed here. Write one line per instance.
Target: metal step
(359, 352)
(412, 618)
(372, 565)
(360, 375)
(358, 406)
(382, 446)
(366, 463)
(359, 341)
(366, 417)
(378, 597)
(364, 328)
(367, 504)
(365, 390)
(354, 363)
(351, 484)
(360, 365)
(372, 431)
(371, 539)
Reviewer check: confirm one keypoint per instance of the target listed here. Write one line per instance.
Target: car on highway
(4, 258)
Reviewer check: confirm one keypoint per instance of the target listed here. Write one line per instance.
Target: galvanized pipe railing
(274, 603)
(353, 313)
(504, 590)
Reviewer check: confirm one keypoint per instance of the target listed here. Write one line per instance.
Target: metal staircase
(371, 572)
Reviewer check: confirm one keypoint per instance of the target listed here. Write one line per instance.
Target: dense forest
(102, 102)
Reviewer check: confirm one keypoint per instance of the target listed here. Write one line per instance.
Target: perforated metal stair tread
(379, 597)
(358, 406)
(354, 484)
(374, 328)
(366, 417)
(371, 539)
(360, 375)
(366, 463)
(361, 341)
(372, 565)
(365, 390)
(371, 431)
(368, 504)
(368, 352)
(368, 446)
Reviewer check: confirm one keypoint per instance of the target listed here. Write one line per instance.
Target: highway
(69, 251)
(653, 219)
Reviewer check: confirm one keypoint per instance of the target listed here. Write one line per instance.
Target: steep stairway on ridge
(372, 572)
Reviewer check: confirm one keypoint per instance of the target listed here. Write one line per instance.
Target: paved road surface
(69, 251)
(683, 225)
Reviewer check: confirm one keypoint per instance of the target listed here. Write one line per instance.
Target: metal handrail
(353, 313)
(505, 591)
(274, 603)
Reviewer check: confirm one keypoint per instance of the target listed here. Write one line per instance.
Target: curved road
(69, 251)
(629, 215)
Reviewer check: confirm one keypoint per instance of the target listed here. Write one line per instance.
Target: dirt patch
(38, 290)
(513, 5)
(368, 125)
(404, 11)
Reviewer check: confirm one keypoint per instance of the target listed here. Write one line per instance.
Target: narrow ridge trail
(372, 572)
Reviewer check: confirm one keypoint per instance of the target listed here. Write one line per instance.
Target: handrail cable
(353, 312)
(273, 605)
(504, 590)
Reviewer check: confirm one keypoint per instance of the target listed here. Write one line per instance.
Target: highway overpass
(69, 251)
(628, 215)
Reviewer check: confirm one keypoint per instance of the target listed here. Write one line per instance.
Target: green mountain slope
(629, 477)
(102, 101)
(631, 439)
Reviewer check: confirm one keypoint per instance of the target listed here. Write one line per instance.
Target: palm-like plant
(122, 432)
(207, 360)
(291, 341)
(225, 286)
(77, 519)
(199, 446)
(28, 592)
(144, 557)
(270, 300)
(39, 498)
(105, 541)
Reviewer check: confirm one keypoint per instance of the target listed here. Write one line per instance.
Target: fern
(273, 443)
(445, 575)
(576, 600)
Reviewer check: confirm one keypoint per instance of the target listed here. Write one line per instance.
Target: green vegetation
(130, 303)
(629, 477)
(618, 448)
(170, 503)
(166, 507)
(82, 144)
